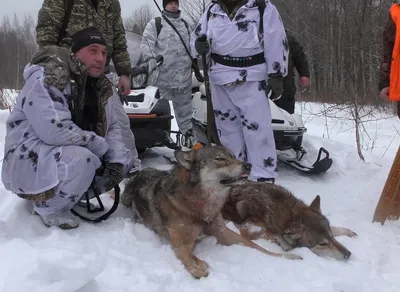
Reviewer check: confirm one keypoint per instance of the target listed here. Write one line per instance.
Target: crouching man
(62, 130)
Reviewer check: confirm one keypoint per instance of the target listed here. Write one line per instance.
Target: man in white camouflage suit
(248, 62)
(175, 79)
(63, 130)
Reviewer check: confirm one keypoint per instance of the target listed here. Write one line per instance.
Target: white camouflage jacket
(176, 70)
(239, 37)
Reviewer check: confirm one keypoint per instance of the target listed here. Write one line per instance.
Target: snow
(119, 255)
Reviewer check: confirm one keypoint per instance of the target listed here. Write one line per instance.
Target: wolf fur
(280, 216)
(185, 203)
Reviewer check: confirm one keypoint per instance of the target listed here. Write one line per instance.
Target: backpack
(68, 4)
(261, 7)
(159, 25)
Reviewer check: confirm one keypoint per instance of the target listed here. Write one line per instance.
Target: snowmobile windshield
(144, 62)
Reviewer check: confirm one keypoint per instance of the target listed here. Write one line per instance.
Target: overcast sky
(31, 7)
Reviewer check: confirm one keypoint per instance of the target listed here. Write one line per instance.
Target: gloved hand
(112, 176)
(202, 45)
(275, 86)
(124, 99)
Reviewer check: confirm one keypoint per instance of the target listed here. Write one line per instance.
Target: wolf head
(309, 228)
(213, 165)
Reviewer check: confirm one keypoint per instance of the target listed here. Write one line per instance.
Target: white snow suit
(44, 148)
(175, 78)
(240, 92)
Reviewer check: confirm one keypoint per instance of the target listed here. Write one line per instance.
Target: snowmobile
(288, 133)
(149, 115)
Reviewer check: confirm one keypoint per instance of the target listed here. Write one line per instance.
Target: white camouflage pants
(243, 119)
(182, 103)
(76, 170)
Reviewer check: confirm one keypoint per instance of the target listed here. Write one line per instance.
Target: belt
(239, 61)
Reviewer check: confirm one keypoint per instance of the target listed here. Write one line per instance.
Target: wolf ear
(183, 158)
(316, 204)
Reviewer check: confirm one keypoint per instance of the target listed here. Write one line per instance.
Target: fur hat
(86, 37)
(165, 2)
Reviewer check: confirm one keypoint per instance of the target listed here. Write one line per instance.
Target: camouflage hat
(86, 37)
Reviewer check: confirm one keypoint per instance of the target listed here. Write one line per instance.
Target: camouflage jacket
(389, 36)
(106, 18)
(42, 123)
(297, 60)
(60, 69)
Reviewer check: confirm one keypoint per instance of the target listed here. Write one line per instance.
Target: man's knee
(80, 159)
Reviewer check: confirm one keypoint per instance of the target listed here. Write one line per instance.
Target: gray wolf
(185, 203)
(278, 215)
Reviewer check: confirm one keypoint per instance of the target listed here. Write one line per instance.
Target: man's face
(172, 6)
(94, 57)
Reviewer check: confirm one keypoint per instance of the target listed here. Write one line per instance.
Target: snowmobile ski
(319, 166)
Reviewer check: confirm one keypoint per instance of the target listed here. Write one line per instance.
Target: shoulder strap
(209, 11)
(68, 4)
(185, 23)
(158, 24)
(261, 8)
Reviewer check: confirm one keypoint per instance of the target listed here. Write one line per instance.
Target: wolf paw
(350, 233)
(199, 269)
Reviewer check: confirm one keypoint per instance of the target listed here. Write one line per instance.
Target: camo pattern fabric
(41, 125)
(176, 70)
(107, 19)
(240, 37)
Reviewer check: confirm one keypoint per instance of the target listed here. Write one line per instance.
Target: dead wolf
(270, 211)
(185, 203)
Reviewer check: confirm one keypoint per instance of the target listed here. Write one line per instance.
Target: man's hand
(202, 45)
(112, 176)
(384, 95)
(304, 81)
(124, 85)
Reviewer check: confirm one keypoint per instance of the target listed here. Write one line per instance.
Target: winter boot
(188, 139)
(266, 180)
(64, 220)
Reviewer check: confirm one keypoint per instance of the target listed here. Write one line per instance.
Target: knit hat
(86, 37)
(165, 2)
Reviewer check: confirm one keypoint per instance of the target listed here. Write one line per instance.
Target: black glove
(124, 99)
(275, 86)
(112, 176)
(202, 45)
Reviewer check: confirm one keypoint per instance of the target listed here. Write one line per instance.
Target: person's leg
(255, 119)
(182, 102)
(76, 170)
(286, 102)
(228, 122)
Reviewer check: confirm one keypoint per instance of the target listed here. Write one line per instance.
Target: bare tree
(140, 18)
(193, 9)
(17, 45)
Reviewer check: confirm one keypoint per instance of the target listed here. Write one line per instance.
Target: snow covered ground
(119, 255)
